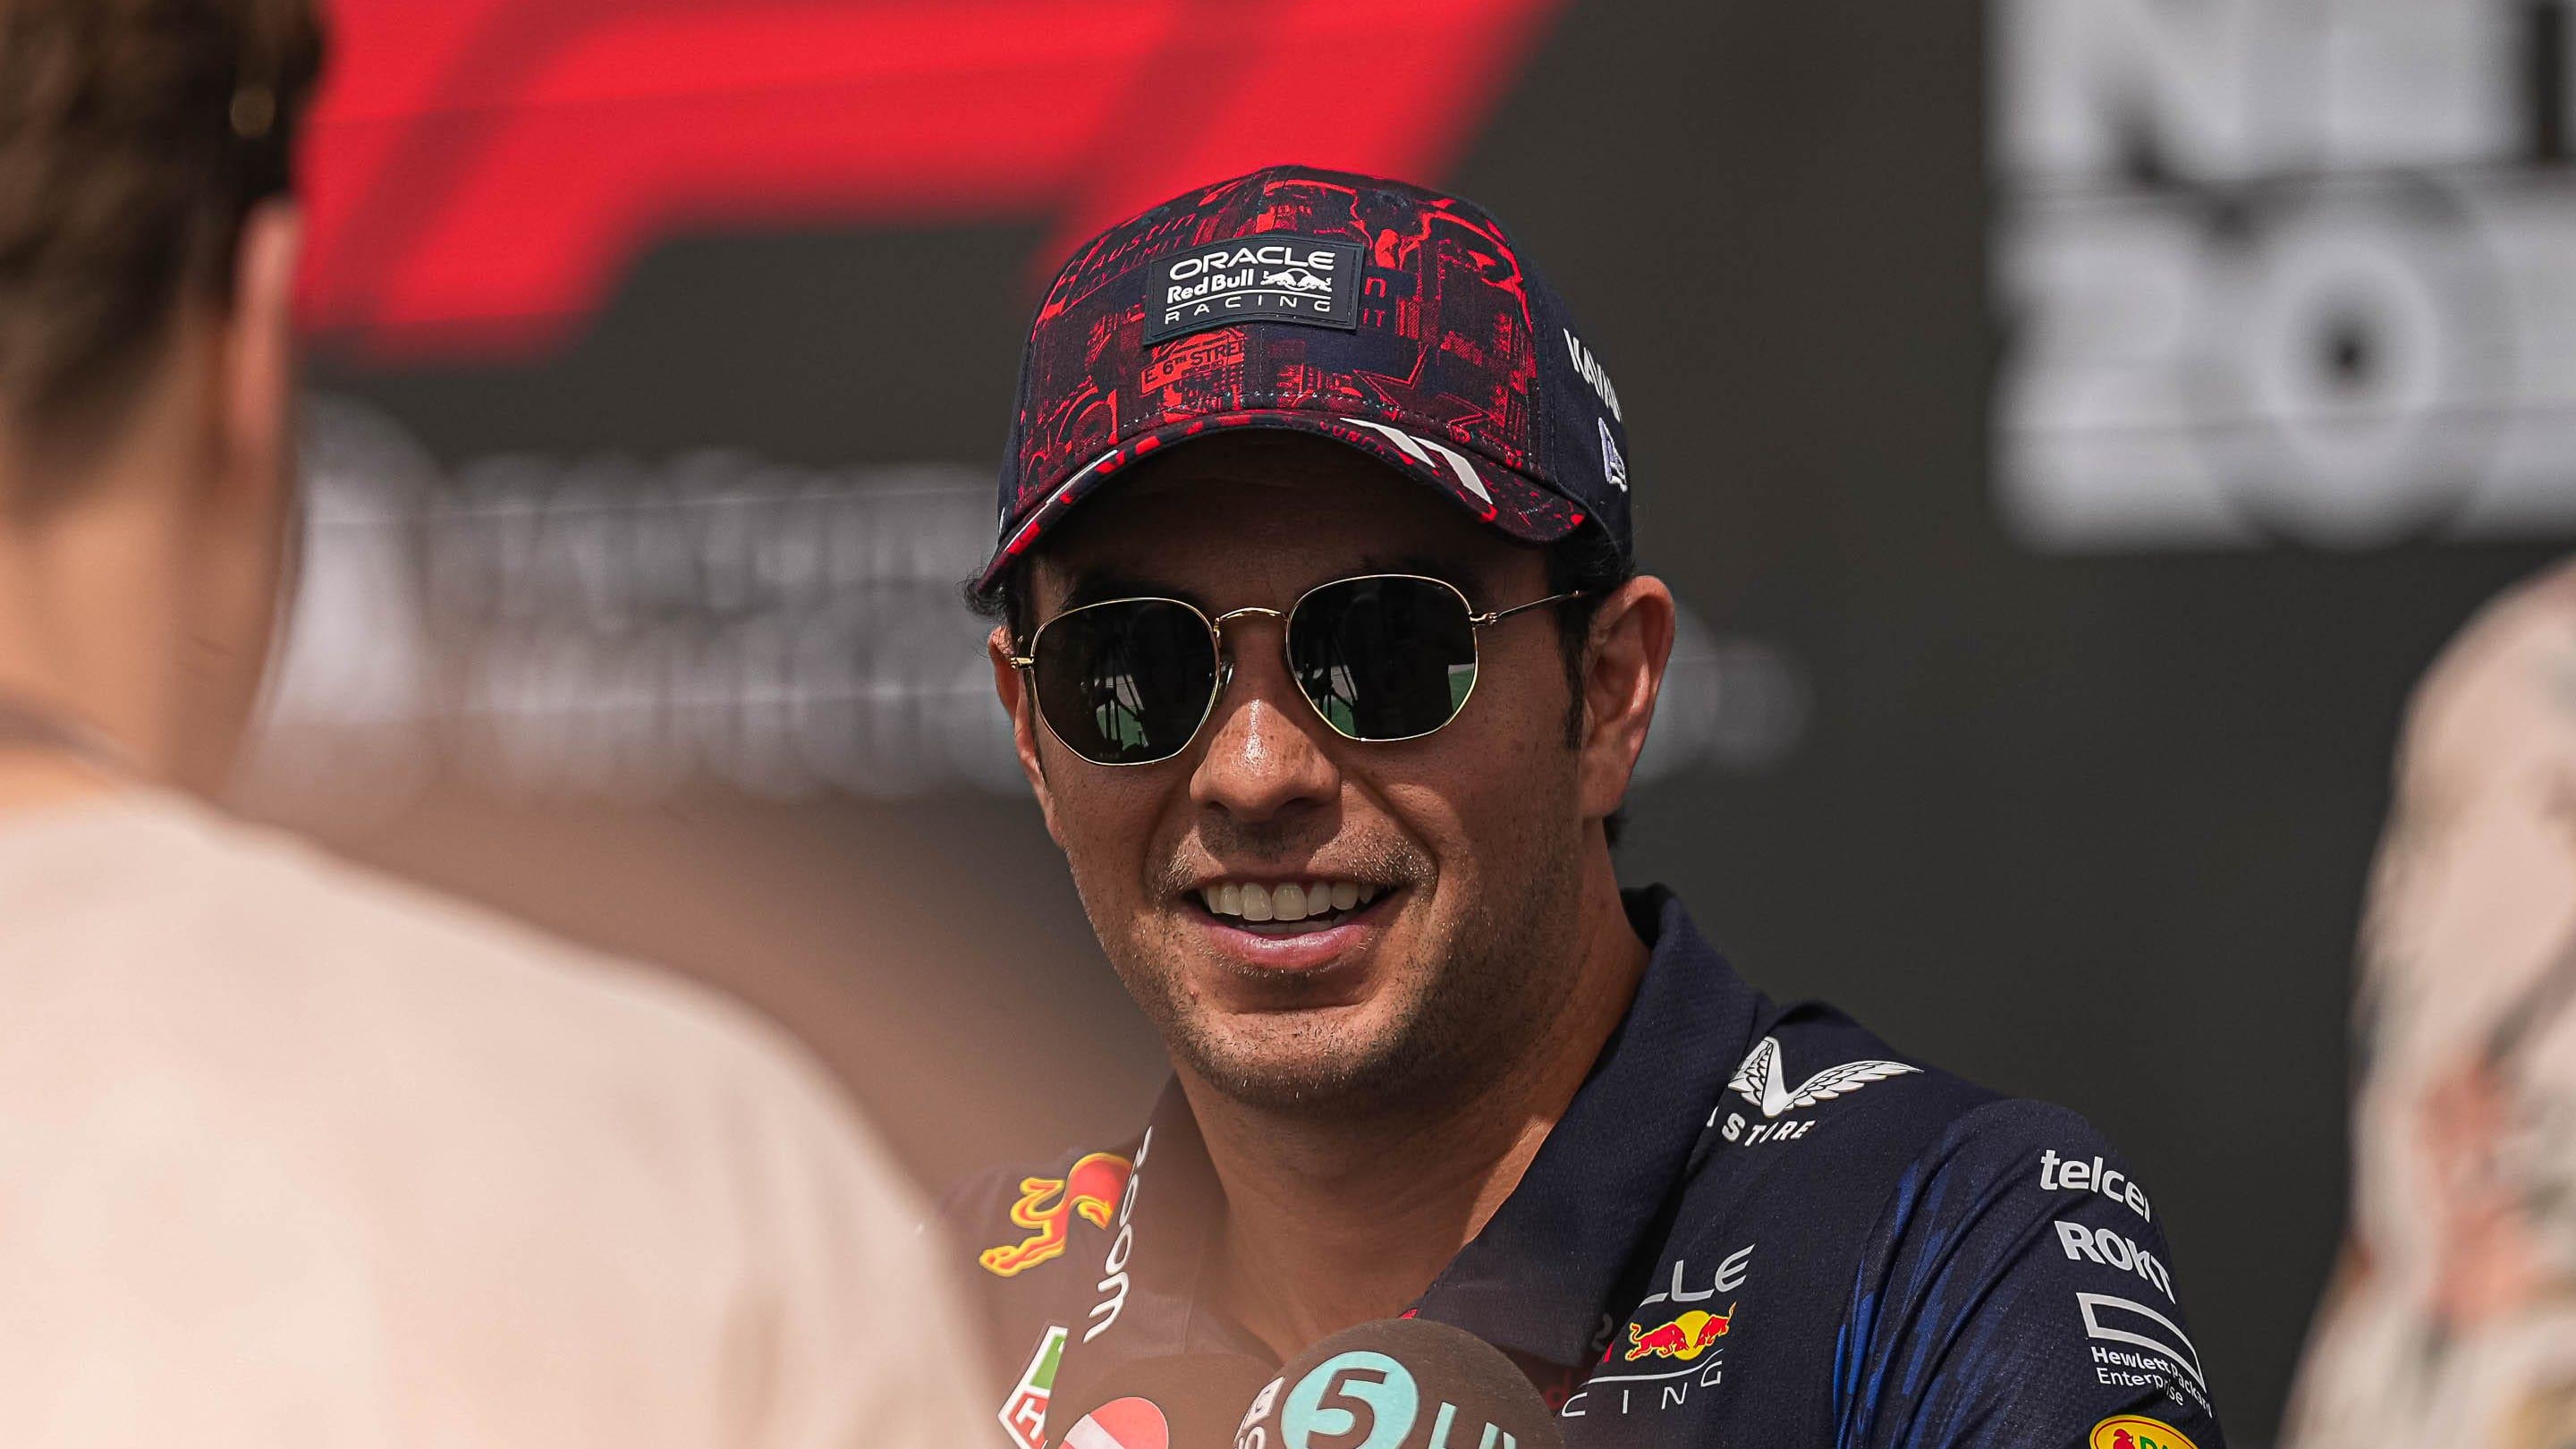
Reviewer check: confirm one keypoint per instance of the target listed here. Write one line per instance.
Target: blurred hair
(1586, 562)
(135, 138)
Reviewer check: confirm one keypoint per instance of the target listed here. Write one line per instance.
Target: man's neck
(1330, 1223)
(90, 622)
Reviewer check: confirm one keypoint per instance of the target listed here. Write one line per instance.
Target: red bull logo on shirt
(1685, 1338)
(1048, 1206)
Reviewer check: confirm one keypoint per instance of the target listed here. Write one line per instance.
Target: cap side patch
(1266, 277)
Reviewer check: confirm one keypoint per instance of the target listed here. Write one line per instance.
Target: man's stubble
(1464, 1010)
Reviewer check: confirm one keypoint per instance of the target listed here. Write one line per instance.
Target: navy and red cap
(1384, 316)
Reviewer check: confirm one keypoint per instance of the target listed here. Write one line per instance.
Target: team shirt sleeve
(2018, 1292)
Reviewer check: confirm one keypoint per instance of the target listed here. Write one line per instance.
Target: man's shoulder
(401, 957)
(196, 930)
(1864, 1208)
(1814, 1073)
(1824, 1124)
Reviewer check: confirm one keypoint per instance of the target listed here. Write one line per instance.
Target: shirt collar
(1538, 1278)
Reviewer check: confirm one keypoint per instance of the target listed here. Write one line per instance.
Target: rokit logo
(2114, 1250)
(1265, 278)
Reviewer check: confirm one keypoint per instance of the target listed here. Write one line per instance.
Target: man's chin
(1280, 1060)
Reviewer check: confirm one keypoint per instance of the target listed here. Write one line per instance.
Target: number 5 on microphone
(1355, 1400)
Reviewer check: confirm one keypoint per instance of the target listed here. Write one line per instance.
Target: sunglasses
(1381, 657)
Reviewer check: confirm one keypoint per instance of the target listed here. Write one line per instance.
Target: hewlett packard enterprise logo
(1272, 277)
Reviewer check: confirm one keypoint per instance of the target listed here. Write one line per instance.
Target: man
(2453, 1318)
(1329, 663)
(289, 1155)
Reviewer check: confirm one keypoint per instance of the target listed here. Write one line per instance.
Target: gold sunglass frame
(1026, 660)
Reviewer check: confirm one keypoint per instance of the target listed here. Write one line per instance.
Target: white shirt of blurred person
(2452, 1320)
(290, 1155)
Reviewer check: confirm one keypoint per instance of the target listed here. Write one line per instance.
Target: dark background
(2092, 828)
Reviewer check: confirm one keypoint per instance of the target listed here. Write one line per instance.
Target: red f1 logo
(480, 172)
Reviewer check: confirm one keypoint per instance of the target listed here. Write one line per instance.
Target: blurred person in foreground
(1329, 662)
(290, 1155)
(2452, 1318)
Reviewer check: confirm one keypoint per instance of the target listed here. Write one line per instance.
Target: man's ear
(258, 398)
(1632, 643)
(1011, 684)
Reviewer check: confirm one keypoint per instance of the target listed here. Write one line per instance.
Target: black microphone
(1187, 1401)
(1403, 1383)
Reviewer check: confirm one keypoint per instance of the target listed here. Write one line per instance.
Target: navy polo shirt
(1755, 1224)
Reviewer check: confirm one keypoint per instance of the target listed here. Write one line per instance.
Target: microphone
(1186, 1401)
(1402, 1383)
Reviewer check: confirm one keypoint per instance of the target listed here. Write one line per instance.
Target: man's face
(1440, 873)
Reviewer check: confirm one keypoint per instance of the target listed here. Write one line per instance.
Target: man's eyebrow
(1098, 585)
(1095, 586)
(1448, 571)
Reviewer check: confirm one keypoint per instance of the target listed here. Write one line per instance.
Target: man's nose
(1264, 757)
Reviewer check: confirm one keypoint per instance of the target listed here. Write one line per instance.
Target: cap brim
(1502, 499)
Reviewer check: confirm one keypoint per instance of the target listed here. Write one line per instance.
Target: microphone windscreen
(1402, 1383)
(1187, 1401)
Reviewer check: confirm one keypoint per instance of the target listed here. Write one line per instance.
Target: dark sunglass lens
(1384, 658)
(1125, 683)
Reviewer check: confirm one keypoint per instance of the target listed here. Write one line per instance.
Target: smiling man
(1329, 663)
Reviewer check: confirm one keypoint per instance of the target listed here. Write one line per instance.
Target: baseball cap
(1393, 319)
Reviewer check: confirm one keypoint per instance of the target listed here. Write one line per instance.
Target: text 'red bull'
(1685, 1338)
(1047, 1207)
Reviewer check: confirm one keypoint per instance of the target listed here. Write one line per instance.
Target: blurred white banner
(605, 628)
(2284, 269)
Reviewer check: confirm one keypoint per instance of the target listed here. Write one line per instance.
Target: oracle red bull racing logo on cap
(1685, 1338)
(1047, 1207)
(1269, 277)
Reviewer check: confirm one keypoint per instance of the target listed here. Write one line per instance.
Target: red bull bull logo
(1685, 1338)
(1048, 1206)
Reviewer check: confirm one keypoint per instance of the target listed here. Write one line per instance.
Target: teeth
(1291, 901)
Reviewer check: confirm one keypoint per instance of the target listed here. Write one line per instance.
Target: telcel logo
(2074, 1174)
